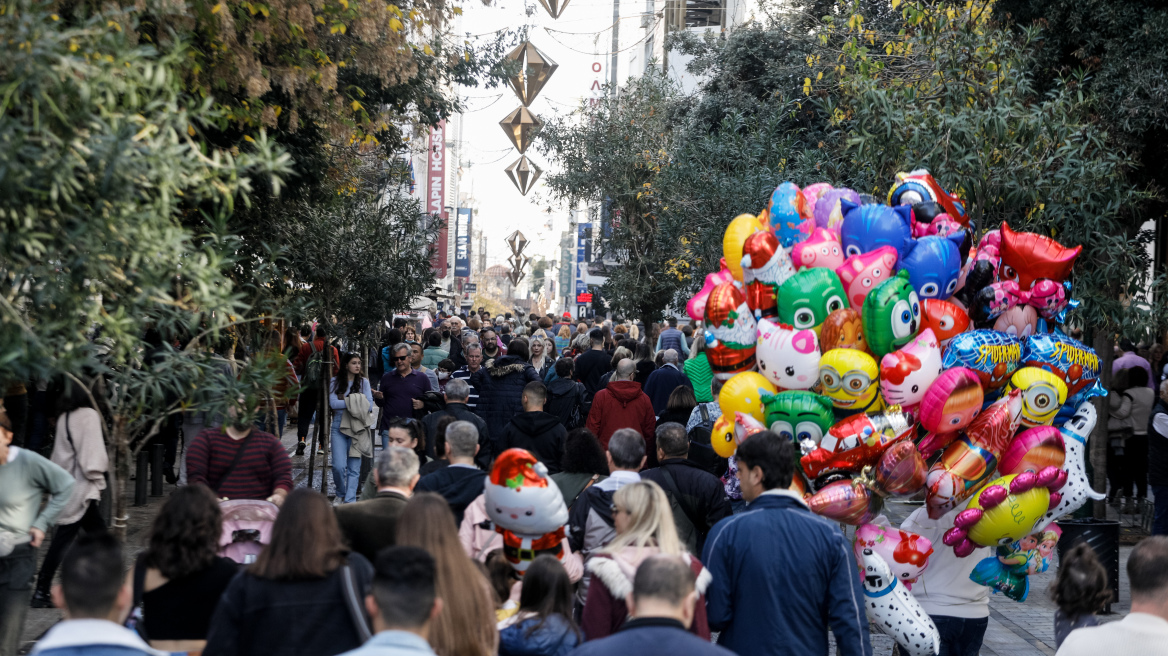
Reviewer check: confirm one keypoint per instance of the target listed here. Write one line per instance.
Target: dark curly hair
(185, 535)
(1081, 585)
(583, 453)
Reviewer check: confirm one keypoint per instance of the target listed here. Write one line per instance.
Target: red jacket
(623, 405)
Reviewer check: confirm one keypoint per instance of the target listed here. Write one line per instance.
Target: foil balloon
(993, 356)
(696, 307)
(526, 507)
(1009, 570)
(891, 315)
(868, 227)
(743, 394)
(858, 442)
(933, 264)
(907, 373)
(828, 213)
(746, 425)
(1033, 450)
(919, 186)
(1043, 393)
(972, 459)
(790, 219)
(787, 357)
(907, 554)
(862, 273)
(891, 608)
(1074, 362)
(722, 437)
(1046, 298)
(731, 332)
(803, 417)
(813, 192)
(949, 405)
(842, 329)
(1020, 321)
(808, 297)
(849, 378)
(733, 242)
(1078, 489)
(1028, 257)
(901, 471)
(765, 266)
(847, 502)
(1005, 510)
(945, 319)
(821, 250)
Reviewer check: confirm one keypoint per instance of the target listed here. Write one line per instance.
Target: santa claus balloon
(526, 507)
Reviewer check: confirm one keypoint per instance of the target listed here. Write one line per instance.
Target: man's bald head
(625, 370)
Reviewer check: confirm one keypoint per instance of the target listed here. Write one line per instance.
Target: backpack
(570, 414)
(314, 367)
(701, 453)
(687, 532)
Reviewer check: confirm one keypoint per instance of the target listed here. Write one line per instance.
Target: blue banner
(462, 243)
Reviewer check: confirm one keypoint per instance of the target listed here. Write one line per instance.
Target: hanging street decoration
(523, 174)
(535, 70)
(521, 127)
(517, 260)
(555, 8)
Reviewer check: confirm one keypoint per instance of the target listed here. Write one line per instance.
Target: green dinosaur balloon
(891, 315)
(798, 415)
(807, 297)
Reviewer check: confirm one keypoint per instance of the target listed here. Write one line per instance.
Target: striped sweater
(264, 468)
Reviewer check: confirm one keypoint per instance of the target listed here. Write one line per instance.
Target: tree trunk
(120, 474)
(1104, 348)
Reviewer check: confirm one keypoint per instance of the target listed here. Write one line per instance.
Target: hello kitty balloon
(787, 357)
(908, 372)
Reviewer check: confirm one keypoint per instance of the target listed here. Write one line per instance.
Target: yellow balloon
(1042, 395)
(722, 437)
(743, 226)
(743, 393)
(850, 378)
(1012, 519)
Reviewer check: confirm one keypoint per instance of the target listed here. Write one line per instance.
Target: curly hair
(185, 536)
(1081, 585)
(583, 453)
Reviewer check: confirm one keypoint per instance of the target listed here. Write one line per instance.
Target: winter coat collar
(616, 571)
(508, 364)
(625, 391)
(89, 633)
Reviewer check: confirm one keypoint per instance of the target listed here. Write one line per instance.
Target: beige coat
(357, 423)
(80, 450)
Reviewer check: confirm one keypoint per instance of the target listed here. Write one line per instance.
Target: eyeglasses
(401, 357)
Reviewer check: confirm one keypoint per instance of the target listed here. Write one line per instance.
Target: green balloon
(798, 414)
(807, 297)
(891, 315)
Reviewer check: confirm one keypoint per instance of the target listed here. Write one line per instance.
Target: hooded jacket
(527, 637)
(605, 611)
(460, 486)
(500, 388)
(661, 384)
(566, 399)
(623, 405)
(540, 433)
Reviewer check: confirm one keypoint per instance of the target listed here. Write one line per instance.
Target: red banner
(436, 204)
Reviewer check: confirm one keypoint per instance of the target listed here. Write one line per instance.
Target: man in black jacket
(535, 430)
(457, 395)
(462, 481)
(566, 396)
(699, 494)
(591, 366)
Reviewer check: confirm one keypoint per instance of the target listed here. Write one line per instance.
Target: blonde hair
(650, 520)
(565, 333)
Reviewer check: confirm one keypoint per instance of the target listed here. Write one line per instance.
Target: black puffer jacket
(566, 402)
(540, 433)
(500, 388)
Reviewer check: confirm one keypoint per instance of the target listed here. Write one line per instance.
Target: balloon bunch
(901, 353)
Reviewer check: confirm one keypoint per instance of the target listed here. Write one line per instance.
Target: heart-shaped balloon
(849, 502)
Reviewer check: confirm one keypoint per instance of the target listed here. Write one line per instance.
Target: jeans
(960, 636)
(16, 572)
(1160, 511)
(91, 522)
(346, 470)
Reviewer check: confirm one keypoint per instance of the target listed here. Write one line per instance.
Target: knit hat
(521, 497)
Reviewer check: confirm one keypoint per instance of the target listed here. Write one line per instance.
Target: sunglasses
(401, 357)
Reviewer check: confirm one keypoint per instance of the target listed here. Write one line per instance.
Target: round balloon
(827, 211)
(845, 502)
(743, 393)
(722, 437)
(849, 378)
(992, 355)
(790, 219)
(696, 307)
(891, 315)
(813, 192)
(743, 226)
(1043, 393)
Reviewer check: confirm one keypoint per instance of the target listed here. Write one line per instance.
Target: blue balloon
(933, 264)
(994, 356)
(868, 227)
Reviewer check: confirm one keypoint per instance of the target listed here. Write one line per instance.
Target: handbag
(353, 603)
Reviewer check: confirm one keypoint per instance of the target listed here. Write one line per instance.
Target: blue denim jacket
(393, 643)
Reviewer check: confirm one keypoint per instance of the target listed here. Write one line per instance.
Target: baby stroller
(247, 527)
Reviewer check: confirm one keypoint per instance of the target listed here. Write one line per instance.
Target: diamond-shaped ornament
(554, 7)
(535, 69)
(523, 174)
(521, 127)
(517, 241)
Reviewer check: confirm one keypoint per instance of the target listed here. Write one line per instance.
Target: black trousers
(1136, 453)
(90, 522)
(308, 403)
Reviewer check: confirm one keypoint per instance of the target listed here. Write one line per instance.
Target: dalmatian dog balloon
(892, 608)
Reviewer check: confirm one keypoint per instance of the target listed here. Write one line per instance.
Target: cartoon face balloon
(933, 265)
(993, 355)
(907, 554)
(908, 372)
(891, 315)
(733, 242)
(790, 218)
(945, 319)
(849, 378)
(808, 297)
(822, 249)
(828, 213)
(1027, 257)
(787, 357)
(842, 329)
(1074, 362)
(1033, 450)
(868, 227)
(862, 273)
(919, 186)
(743, 394)
(803, 417)
(731, 332)
(1042, 395)
(765, 266)
(522, 497)
(722, 437)
(952, 401)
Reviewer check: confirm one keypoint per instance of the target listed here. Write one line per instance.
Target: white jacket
(80, 450)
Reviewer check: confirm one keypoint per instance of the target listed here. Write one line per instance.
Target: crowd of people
(668, 549)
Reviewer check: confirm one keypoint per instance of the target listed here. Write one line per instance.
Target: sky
(582, 29)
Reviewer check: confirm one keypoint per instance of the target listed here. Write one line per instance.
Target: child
(1079, 590)
(503, 579)
(544, 625)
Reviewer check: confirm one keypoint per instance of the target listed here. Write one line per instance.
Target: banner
(436, 203)
(462, 243)
(583, 254)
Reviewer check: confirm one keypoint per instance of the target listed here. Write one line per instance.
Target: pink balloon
(907, 554)
(696, 308)
(952, 401)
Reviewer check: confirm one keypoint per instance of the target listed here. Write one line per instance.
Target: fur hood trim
(617, 574)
